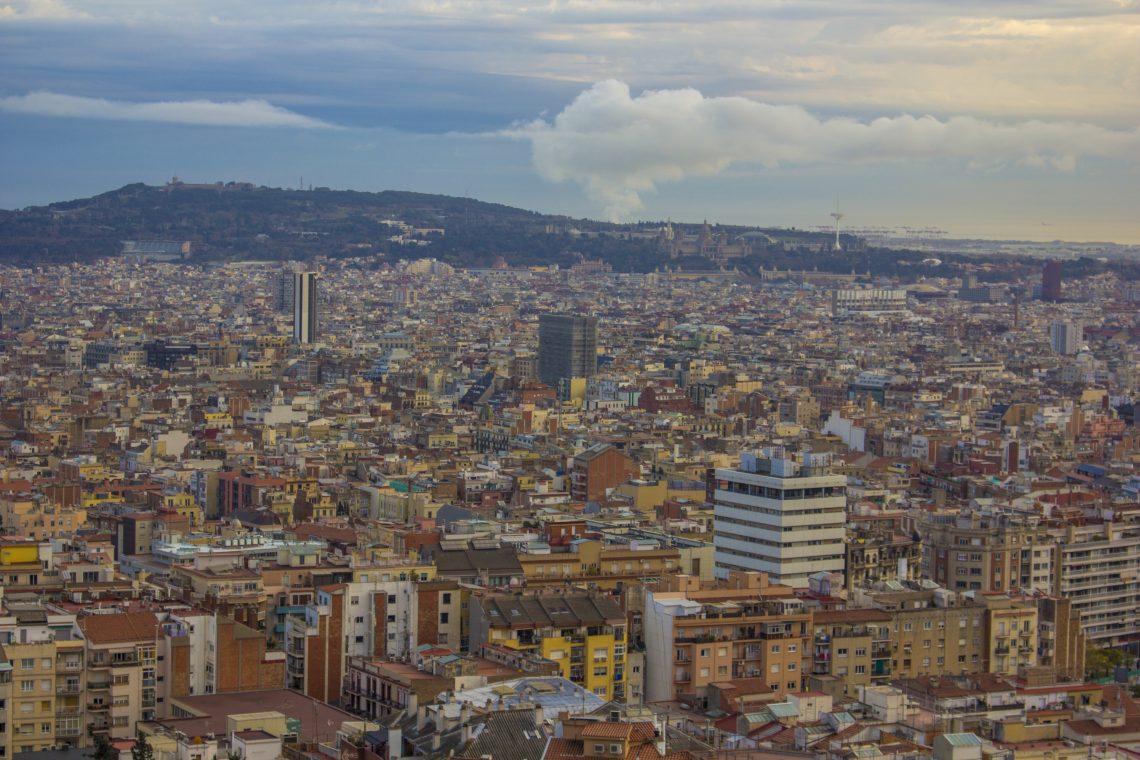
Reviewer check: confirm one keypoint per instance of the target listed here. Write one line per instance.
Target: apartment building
(609, 567)
(584, 633)
(935, 631)
(206, 653)
(5, 704)
(695, 638)
(42, 684)
(1099, 572)
(849, 649)
(782, 514)
(121, 678)
(987, 550)
(39, 518)
(377, 618)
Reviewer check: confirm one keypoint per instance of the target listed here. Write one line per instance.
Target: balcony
(64, 711)
(70, 688)
(1001, 649)
(98, 686)
(99, 706)
(67, 730)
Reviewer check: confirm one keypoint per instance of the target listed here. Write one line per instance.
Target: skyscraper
(304, 307)
(567, 347)
(1066, 337)
(283, 291)
(1051, 281)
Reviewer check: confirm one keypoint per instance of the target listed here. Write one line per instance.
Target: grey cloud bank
(243, 113)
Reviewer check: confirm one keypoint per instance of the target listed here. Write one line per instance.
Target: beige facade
(987, 551)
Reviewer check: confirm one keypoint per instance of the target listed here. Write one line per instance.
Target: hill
(239, 221)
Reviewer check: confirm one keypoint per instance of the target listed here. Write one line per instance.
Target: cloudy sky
(1007, 118)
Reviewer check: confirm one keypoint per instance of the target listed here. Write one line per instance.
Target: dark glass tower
(567, 347)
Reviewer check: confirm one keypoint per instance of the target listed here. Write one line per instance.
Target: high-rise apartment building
(304, 307)
(781, 514)
(1065, 337)
(1098, 570)
(567, 347)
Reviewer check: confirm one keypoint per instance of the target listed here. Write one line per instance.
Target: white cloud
(618, 147)
(41, 10)
(238, 113)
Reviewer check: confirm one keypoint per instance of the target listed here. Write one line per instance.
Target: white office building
(782, 514)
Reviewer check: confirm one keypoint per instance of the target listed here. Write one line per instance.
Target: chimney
(413, 702)
(538, 717)
(435, 740)
(421, 718)
(465, 714)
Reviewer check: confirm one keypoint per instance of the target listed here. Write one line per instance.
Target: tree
(1102, 662)
(103, 748)
(142, 749)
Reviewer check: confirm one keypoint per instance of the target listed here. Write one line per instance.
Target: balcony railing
(71, 688)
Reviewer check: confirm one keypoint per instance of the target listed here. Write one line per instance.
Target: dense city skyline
(1012, 120)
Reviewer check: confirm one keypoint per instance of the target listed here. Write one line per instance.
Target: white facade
(781, 516)
(304, 307)
(1065, 337)
(657, 620)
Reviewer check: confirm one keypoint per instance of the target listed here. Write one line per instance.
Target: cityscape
(569, 380)
(390, 507)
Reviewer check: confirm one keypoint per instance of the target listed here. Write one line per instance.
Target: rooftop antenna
(837, 216)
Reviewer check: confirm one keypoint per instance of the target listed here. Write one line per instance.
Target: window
(793, 685)
(705, 652)
(860, 669)
(841, 652)
(359, 620)
(27, 685)
(790, 667)
(27, 663)
(391, 598)
(447, 597)
(860, 652)
(792, 649)
(775, 649)
(615, 749)
(775, 668)
(599, 749)
(45, 729)
(354, 600)
(926, 625)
